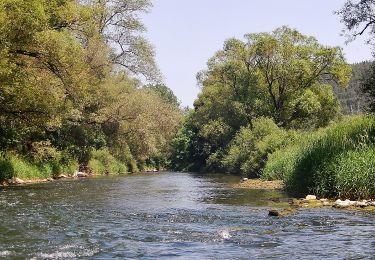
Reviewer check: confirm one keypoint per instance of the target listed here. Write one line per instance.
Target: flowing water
(171, 215)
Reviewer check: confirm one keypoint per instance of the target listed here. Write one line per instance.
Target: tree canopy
(71, 76)
(280, 75)
(358, 17)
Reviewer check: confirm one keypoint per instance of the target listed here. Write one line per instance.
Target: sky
(186, 33)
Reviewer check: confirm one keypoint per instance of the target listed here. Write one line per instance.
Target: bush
(103, 162)
(248, 151)
(319, 161)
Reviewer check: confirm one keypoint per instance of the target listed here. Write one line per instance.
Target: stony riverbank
(310, 201)
(18, 181)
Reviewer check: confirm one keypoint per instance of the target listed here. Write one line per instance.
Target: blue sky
(186, 33)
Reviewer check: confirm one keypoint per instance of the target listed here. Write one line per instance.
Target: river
(173, 216)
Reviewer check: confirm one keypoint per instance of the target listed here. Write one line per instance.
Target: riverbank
(18, 181)
(310, 201)
(258, 184)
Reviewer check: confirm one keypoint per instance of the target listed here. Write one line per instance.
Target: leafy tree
(58, 90)
(369, 88)
(358, 16)
(165, 93)
(118, 22)
(281, 75)
(354, 99)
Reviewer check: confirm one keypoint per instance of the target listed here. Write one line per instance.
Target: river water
(171, 215)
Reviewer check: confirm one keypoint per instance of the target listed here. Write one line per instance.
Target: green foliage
(355, 174)
(248, 151)
(187, 148)
(280, 163)
(369, 88)
(63, 102)
(356, 15)
(279, 75)
(165, 93)
(320, 162)
(12, 165)
(102, 162)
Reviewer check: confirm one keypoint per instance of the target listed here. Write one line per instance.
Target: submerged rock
(281, 213)
(224, 234)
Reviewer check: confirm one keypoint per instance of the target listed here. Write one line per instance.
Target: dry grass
(257, 184)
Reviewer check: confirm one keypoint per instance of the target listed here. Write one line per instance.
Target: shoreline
(258, 184)
(16, 181)
(309, 202)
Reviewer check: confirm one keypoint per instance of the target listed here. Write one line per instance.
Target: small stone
(274, 213)
(81, 174)
(324, 200)
(326, 203)
(281, 213)
(17, 180)
(361, 204)
(245, 179)
(61, 176)
(310, 197)
(342, 204)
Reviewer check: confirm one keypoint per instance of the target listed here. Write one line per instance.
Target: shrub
(102, 162)
(248, 151)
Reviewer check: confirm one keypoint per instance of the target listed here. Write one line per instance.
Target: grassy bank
(337, 161)
(13, 165)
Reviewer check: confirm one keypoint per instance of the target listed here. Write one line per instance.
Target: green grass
(102, 162)
(320, 162)
(12, 165)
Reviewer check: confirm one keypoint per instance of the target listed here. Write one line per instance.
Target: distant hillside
(353, 100)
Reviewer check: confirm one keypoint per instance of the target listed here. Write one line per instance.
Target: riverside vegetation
(72, 91)
(270, 105)
(270, 108)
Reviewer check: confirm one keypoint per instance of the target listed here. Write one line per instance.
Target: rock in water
(274, 213)
(224, 234)
(281, 213)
